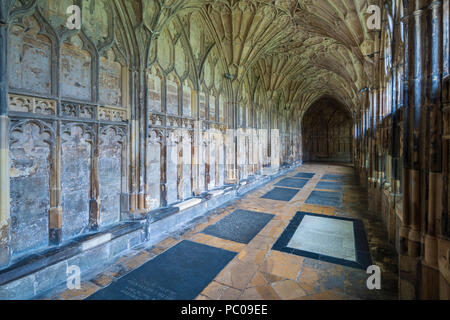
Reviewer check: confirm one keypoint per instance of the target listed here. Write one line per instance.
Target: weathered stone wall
(126, 115)
(30, 148)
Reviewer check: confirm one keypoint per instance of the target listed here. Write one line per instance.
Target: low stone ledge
(45, 270)
(42, 271)
(188, 204)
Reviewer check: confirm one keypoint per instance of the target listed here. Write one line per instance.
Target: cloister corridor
(224, 150)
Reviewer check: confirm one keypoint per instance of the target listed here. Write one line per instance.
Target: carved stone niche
(156, 119)
(188, 123)
(74, 110)
(112, 114)
(19, 103)
(173, 121)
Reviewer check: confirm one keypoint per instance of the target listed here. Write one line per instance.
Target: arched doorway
(327, 132)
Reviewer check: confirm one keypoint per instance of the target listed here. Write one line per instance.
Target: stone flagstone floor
(257, 272)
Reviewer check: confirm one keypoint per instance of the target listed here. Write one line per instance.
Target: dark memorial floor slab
(336, 177)
(329, 185)
(292, 183)
(325, 198)
(281, 194)
(180, 273)
(240, 226)
(332, 239)
(305, 175)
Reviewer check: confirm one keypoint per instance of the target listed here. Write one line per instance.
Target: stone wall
(107, 123)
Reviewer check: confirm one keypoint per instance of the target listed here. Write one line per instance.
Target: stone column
(163, 170)
(143, 138)
(55, 214)
(407, 152)
(430, 266)
(410, 232)
(134, 143)
(4, 148)
(94, 203)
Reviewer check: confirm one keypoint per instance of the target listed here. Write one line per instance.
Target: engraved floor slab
(332, 239)
(239, 226)
(329, 185)
(305, 175)
(325, 198)
(292, 183)
(180, 273)
(324, 236)
(281, 194)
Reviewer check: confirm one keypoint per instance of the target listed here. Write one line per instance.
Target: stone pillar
(163, 170)
(430, 265)
(55, 214)
(134, 143)
(409, 258)
(94, 204)
(4, 148)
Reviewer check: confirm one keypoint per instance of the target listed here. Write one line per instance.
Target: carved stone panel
(187, 164)
(110, 82)
(76, 70)
(173, 139)
(76, 154)
(29, 58)
(110, 173)
(154, 168)
(30, 150)
(20, 103)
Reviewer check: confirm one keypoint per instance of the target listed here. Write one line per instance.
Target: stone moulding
(112, 114)
(75, 110)
(28, 104)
